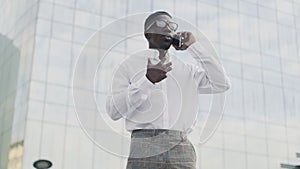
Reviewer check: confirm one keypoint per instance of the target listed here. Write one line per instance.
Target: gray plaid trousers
(160, 149)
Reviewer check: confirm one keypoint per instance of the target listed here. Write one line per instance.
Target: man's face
(160, 37)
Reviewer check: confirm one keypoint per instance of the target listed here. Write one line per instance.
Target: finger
(149, 61)
(168, 64)
(163, 59)
(168, 69)
(186, 34)
(160, 63)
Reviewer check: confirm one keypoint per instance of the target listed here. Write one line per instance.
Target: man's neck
(162, 53)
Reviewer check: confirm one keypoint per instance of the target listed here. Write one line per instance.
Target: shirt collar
(155, 56)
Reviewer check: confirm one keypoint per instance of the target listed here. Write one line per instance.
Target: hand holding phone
(182, 40)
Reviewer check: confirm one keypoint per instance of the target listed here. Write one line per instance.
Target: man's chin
(165, 47)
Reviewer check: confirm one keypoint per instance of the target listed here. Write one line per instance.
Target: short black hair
(150, 18)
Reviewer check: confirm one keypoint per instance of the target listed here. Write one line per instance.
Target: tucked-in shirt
(172, 103)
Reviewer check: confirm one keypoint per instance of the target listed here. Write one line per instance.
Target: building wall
(17, 27)
(258, 45)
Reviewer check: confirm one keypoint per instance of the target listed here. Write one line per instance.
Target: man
(157, 95)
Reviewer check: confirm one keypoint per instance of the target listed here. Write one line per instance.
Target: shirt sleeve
(208, 73)
(125, 96)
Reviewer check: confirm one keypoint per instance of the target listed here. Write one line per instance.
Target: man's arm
(209, 74)
(124, 96)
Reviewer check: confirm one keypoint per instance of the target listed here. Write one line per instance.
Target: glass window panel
(62, 31)
(232, 68)
(252, 73)
(272, 77)
(113, 8)
(39, 68)
(63, 14)
(35, 110)
(268, 37)
(251, 58)
(37, 90)
(268, 3)
(285, 19)
(81, 35)
(87, 20)
(274, 104)
(91, 6)
(234, 101)
(292, 100)
(229, 4)
(249, 32)
(230, 53)
(253, 100)
(296, 9)
(293, 137)
(72, 117)
(135, 6)
(257, 161)
(248, 8)
(233, 125)
(33, 140)
(208, 21)
(45, 10)
(69, 3)
(255, 128)
(234, 142)
(267, 13)
(290, 67)
(285, 6)
(291, 81)
(297, 19)
(216, 141)
(187, 15)
(55, 113)
(274, 162)
(206, 158)
(43, 27)
(288, 43)
(59, 62)
(213, 2)
(107, 160)
(277, 149)
(235, 160)
(159, 5)
(271, 62)
(276, 132)
(76, 141)
(52, 143)
(57, 94)
(256, 145)
(291, 154)
(229, 27)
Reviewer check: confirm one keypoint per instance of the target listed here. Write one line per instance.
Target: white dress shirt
(172, 103)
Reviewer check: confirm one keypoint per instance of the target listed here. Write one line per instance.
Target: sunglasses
(162, 24)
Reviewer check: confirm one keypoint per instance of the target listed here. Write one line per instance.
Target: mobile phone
(176, 40)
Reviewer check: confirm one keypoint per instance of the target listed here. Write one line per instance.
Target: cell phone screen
(176, 40)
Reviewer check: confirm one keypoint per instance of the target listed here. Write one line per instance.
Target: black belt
(155, 132)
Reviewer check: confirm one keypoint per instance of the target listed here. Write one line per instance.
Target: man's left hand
(187, 39)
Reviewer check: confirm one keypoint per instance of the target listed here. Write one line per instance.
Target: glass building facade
(258, 43)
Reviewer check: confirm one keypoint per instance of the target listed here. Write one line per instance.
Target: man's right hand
(157, 72)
